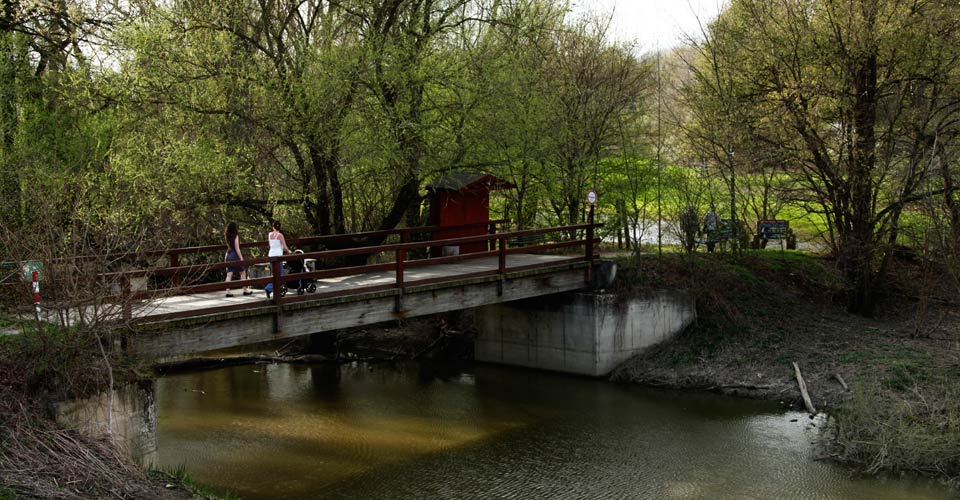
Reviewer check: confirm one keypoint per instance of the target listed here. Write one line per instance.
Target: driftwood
(803, 390)
(250, 359)
(842, 382)
(747, 387)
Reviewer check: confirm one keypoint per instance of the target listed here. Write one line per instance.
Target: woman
(232, 238)
(278, 247)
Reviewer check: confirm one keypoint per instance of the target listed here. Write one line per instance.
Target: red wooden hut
(460, 198)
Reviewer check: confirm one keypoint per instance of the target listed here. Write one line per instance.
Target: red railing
(12, 279)
(393, 257)
(176, 253)
(400, 263)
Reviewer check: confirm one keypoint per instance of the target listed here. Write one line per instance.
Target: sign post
(592, 201)
(30, 270)
(36, 293)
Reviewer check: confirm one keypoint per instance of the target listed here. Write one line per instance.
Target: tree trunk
(320, 174)
(859, 244)
(953, 209)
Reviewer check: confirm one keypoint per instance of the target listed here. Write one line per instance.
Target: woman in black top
(232, 238)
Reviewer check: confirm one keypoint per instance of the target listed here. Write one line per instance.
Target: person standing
(278, 247)
(711, 226)
(232, 237)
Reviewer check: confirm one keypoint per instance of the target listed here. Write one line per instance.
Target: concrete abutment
(580, 333)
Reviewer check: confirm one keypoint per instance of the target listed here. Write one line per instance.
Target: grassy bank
(763, 311)
(43, 364)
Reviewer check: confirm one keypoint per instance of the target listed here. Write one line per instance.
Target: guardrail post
(400, 256)
(175, 262)
(501, 264)
(275, 267)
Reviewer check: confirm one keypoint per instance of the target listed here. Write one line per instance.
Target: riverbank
(762, 312)
(44, 364)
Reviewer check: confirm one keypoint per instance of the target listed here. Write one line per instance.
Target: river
(377, 431)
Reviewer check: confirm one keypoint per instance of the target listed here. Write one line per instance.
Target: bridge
(174, 311)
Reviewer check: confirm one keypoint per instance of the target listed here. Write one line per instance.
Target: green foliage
(811, 97)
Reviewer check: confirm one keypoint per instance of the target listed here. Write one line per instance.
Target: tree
(38, 42)
(594, 86)
(852, 92)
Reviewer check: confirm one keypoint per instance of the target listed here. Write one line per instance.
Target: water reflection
(409, 431)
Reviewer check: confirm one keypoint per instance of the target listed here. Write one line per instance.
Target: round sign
(592, 197)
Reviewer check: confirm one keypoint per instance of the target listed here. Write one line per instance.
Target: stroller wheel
(312, 287)
(301, 291)
(283, 290)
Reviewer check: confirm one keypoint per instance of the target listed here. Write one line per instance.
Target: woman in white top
(278, 247)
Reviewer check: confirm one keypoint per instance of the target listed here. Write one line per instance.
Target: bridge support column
(581, 333)
(324, 343)
(128, 417)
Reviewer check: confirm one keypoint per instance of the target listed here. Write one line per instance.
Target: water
(387, 431)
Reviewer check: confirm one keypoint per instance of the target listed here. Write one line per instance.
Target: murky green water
(371, 432)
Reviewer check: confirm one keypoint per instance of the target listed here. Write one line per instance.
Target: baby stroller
(297, 266)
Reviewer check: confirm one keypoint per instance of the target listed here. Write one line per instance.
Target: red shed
(460, 198)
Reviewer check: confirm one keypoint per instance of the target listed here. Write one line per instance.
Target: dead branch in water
(803, 390)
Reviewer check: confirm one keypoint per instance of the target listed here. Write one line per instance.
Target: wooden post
(175, 262)
(501, 263)
(400, 256)
(275, 266)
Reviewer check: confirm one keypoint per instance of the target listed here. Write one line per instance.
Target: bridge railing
(55, 269)
(396, 258)
(174, 254)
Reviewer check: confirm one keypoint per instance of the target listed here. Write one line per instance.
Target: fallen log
(803, 390)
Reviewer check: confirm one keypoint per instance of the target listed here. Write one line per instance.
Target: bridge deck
(181, 305)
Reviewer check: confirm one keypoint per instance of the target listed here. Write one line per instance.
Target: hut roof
(470, 181)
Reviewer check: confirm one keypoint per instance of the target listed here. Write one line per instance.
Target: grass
(7, 321)
(180, 476)
(905, 420)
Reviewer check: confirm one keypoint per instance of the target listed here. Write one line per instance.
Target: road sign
(27, 269)
(592, 197)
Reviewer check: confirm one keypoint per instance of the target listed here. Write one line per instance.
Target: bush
(907, 420)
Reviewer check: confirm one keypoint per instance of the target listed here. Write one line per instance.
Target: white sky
(651, 21)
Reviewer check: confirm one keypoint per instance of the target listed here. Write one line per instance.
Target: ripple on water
(389, 433)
